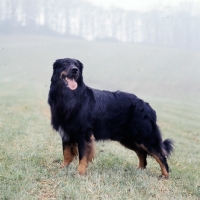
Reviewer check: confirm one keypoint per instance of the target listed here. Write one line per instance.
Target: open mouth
(69, 81)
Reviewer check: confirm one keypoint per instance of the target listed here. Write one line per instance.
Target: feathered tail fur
(168, 146)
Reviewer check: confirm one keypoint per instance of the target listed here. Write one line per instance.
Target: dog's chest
(63, 134)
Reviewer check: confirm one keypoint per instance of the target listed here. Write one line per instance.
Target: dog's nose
(74, 70)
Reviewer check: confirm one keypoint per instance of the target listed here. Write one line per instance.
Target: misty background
(153, 49)
(174, 26)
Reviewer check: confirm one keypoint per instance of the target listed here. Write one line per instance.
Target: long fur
(85, 112)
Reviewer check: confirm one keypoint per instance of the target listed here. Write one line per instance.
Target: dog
(83, 115)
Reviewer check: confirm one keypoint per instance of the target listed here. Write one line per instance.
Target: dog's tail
(168, 146)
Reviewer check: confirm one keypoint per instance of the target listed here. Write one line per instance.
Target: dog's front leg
(69, 152)
(83, 162)
(86, 149)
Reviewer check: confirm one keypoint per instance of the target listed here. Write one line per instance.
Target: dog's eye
(67, 62)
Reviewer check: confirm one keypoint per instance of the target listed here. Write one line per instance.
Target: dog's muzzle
(70, 77)
(74, 70)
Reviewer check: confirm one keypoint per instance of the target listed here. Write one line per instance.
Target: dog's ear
(80, 64)
(55, 66)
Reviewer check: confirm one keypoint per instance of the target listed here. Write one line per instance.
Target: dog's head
(69, 71)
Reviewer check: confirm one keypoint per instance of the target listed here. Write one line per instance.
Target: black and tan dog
(82, 114)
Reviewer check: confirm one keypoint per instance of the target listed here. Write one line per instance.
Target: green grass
(31, 152)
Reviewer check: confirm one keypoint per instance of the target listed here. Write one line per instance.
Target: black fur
(117, 116)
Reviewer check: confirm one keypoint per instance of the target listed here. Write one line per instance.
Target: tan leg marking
(141, 156)
(165, 174)
(82, 166)
(69, 153)
(142, 160)
(88, 157)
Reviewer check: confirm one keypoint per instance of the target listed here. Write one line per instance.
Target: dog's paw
(164, 177)
(81, 170)
(63, 165)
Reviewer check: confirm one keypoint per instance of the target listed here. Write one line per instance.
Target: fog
(140, 47)
(158, 24)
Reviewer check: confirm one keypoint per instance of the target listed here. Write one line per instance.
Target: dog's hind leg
(69, 152)
(160, 158)
(142, 155)
(86, 154)
(163, 165)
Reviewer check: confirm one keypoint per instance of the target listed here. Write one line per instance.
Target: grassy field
(31, 152)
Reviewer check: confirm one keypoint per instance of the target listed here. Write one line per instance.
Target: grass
(31, 152)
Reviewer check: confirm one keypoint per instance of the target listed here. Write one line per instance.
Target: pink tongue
(72, 84)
